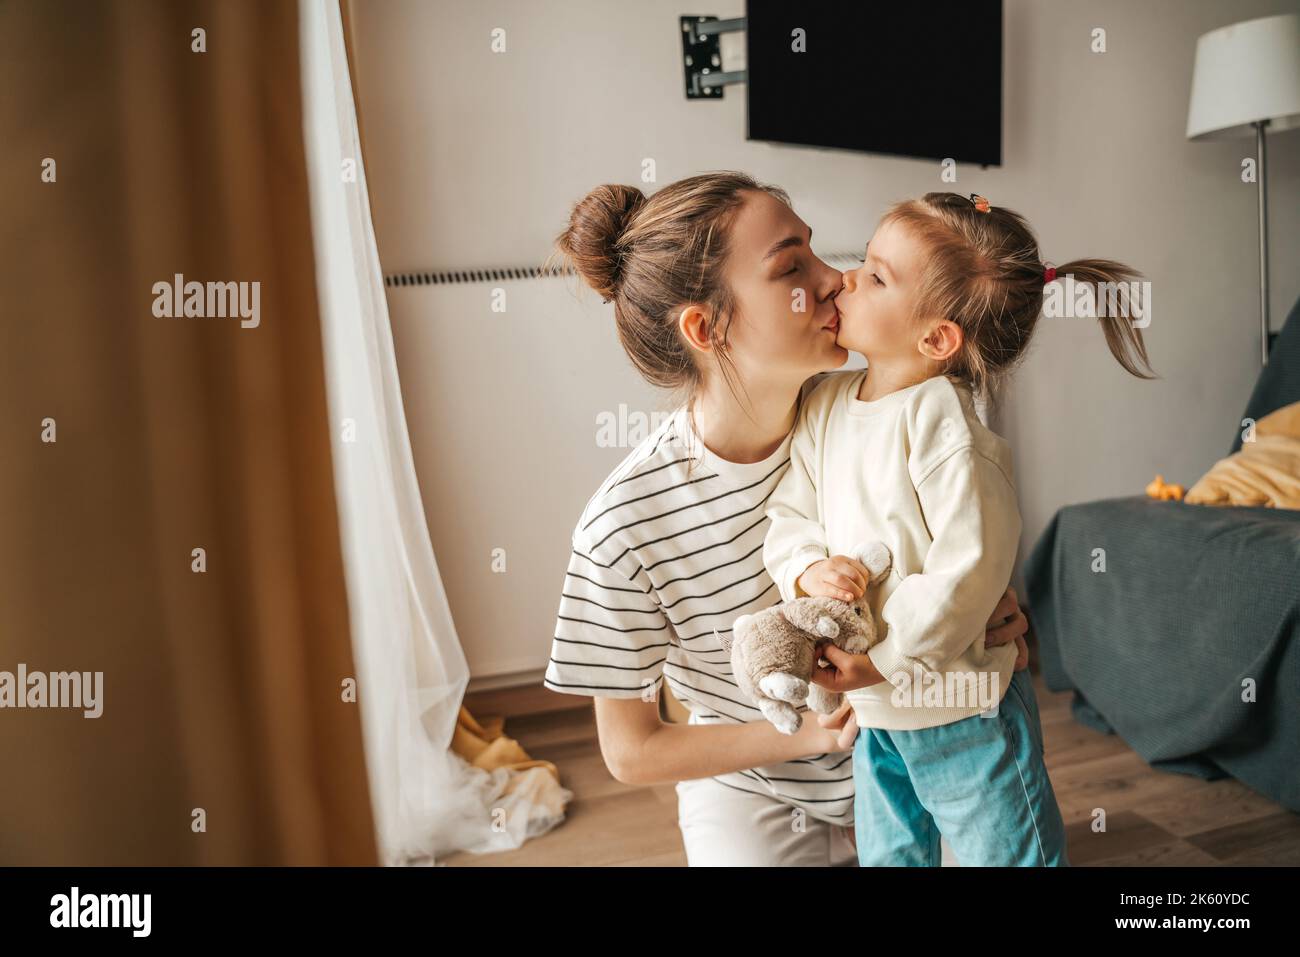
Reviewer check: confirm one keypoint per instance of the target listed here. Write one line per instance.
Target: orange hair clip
(979, 202)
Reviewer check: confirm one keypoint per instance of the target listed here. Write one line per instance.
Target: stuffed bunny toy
(772, 650)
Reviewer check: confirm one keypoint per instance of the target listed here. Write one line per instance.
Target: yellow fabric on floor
(485, 746)
(1265, 472)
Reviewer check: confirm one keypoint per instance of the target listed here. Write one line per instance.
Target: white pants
(725, 827)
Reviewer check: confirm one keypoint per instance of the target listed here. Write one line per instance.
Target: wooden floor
(1154, 818)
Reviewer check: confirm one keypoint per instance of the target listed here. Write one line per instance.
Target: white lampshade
(1246, 73)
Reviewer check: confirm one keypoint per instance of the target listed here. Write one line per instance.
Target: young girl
(943, 307)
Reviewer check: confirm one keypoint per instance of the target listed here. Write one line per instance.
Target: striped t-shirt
(664, 559)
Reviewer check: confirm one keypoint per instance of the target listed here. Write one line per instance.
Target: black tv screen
(910, 78)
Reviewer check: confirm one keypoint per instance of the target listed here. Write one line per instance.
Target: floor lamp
(1247, 80)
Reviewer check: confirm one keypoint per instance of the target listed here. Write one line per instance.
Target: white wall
(475, 159)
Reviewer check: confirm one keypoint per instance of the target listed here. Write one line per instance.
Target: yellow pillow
(1265, 472)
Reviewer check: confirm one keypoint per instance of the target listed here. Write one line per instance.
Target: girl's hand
(846, 671)
(839, 577)
(1008, 624)
(831, 732)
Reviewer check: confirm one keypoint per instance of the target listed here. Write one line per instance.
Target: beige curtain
(223, 691)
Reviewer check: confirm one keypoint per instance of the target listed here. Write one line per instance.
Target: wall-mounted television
(918, 78)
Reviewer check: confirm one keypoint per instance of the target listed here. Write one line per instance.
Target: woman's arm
(641, 749)
(611, 641)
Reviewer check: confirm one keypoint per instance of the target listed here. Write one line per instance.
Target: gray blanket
(1197, 605)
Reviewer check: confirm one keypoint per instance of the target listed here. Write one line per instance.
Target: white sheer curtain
(411, 670)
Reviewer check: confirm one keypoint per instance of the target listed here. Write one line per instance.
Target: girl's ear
(693, 322)
(942, 342)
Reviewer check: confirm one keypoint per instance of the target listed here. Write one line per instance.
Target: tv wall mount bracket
(702, 56)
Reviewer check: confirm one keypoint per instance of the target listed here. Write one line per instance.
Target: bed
(1188, 645)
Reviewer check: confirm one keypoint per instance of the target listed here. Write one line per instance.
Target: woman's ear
(693, 321)
(942, 342)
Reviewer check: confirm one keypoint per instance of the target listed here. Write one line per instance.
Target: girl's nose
(848, 281)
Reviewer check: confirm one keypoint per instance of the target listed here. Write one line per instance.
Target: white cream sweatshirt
(917, 470)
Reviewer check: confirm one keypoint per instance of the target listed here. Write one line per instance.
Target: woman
(718, 297)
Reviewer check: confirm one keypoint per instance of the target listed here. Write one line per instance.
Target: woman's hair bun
(591, 243)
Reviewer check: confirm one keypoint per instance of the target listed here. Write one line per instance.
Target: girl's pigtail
(1114, 308)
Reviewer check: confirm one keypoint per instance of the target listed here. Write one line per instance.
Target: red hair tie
(1049, 274)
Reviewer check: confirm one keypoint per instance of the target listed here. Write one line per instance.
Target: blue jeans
(981, 782)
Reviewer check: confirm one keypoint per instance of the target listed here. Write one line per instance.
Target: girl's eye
(877, 279)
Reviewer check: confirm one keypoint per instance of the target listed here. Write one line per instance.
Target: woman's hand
(848, 671)
(839, 577)
(1008, 624)
(845, 671)
(831, 732)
